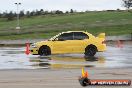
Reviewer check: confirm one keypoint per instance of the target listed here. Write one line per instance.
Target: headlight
(33, 45)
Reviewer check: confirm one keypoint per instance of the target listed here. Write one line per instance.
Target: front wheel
(90, 51)
(44, 51)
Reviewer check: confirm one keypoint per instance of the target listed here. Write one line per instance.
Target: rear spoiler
(101, 35)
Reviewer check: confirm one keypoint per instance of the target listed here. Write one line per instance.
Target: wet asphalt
(114, 57)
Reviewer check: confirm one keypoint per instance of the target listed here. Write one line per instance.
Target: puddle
(66, 61)
(14, 58)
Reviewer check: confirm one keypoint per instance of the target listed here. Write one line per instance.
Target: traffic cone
(84, 74)
(84, 80)
(27, 49)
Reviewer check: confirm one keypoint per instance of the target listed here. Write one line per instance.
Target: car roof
(72, 31)
(78, 31)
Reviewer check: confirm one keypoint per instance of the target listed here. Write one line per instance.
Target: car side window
(66, 36)
(80, 36)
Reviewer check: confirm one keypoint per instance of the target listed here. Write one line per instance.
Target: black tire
(90, 50)
(44, 51)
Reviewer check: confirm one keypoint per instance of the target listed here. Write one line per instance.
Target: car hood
(46, 42)
(41, 42)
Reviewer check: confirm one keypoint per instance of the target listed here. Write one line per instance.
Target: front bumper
(34, 51)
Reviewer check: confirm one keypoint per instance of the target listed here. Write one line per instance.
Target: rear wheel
(44, 51)
(90, 50)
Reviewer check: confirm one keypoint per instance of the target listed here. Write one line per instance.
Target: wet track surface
(114, 57)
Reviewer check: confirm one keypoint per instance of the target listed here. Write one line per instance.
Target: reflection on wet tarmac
(14, 58)
(67, 61)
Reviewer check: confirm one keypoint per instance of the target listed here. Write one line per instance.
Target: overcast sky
(79, 5)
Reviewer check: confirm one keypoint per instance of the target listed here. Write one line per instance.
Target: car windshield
(51, 39)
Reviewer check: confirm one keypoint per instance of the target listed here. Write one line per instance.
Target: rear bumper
(102, 48)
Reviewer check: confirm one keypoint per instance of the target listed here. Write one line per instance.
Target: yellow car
(70, 42)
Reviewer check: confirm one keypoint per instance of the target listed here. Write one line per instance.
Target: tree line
(12, 15)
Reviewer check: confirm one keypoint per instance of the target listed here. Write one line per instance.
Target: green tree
(66, 12)
(33, 13)
(22, 13)
(10, 16)
(0, 15)
(58, 12)
(71, 11)
(28, 13)
(38, 12)
(127, 4)
(41, 11)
